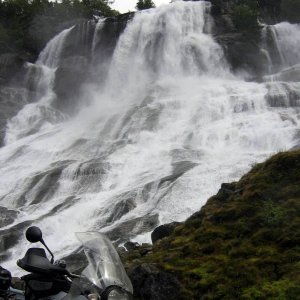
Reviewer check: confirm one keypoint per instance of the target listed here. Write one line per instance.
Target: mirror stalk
(52, 256)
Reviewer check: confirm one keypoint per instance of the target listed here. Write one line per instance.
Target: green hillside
(243, 244)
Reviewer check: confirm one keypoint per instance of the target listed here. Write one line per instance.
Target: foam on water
(169, 101)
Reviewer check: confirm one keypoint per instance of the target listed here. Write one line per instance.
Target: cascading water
(170, 124)
(282, 43)
(35, 116)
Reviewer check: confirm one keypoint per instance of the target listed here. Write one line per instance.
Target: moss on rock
(244, 243)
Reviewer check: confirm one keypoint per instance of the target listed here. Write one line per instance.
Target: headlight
(115, 293)
(93, 297)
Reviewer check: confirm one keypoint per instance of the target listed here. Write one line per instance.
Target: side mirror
(34, 234)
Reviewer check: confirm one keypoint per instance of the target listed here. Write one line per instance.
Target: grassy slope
(245, 242)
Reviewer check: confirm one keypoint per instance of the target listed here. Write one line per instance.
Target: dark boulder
(131, 245)
(163, 231)
(227, 190)
(149, 283)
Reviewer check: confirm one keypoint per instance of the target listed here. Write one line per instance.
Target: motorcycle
(104, 278)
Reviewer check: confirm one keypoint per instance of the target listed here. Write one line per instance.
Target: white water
(40, 115)
(288, 41)
(286, 38)
(97, 35)
(169, 98)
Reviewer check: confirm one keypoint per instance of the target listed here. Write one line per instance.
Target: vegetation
(246, 13)
(245, 16)
(244, 243)
(21, 20)
(144, 4)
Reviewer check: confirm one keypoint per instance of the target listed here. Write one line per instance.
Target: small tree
(144, 4)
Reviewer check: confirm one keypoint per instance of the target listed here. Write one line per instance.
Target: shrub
(144, 4)
(245, 16)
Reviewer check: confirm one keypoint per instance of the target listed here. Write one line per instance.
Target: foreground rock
(151, 283)
(163, 231)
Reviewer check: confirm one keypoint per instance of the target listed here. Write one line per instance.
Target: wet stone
(7, 216)
(163, 231)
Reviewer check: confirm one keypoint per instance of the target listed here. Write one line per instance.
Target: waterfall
(158, 45)
(35, 116)
(282, 43)
(166, 128)
(51, 55)
(97, 35)
(288, 42)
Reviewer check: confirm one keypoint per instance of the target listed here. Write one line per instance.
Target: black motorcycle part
(106, 293)
(40, 286)
(5, 280)
(34, 234)
(36, 261)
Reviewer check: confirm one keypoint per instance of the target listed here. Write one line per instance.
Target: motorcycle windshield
(104, 265)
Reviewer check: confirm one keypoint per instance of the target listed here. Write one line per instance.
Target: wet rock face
(74, 69)
(12, 94)
(131, 228)
(243, 54)
(7, 216)
(10, 237)
(39, 187)
(242, 49)
(10, 65)
(151, 283)
(11, 101)
(67, 86)
(44, 28)
(85, 48)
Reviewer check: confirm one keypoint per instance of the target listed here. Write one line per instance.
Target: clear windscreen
(104, 265)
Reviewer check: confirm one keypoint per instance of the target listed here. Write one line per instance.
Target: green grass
(245, 242)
